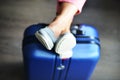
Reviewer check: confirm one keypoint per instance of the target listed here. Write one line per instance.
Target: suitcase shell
(42, 64)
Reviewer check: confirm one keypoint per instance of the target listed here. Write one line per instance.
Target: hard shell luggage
(42, 64)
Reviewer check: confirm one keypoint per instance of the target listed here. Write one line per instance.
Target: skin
(62, 21)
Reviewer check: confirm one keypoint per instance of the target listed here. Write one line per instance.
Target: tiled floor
(16, 15)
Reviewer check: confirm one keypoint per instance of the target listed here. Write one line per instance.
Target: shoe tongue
(50, 33)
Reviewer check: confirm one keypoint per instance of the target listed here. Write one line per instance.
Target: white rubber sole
(65, 45)
(43, 37)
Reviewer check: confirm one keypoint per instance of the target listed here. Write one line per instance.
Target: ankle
(60, 25)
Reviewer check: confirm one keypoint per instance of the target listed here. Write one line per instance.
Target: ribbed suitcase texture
(42, 64)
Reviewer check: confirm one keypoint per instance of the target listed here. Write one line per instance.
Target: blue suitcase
(42, 64)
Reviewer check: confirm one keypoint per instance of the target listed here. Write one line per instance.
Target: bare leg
(61, 23)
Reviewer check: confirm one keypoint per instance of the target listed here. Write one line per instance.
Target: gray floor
(16, 15)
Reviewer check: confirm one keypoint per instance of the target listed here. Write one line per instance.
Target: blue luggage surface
(42, 64)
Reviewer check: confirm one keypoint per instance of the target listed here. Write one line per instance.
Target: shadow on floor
(11, 71)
